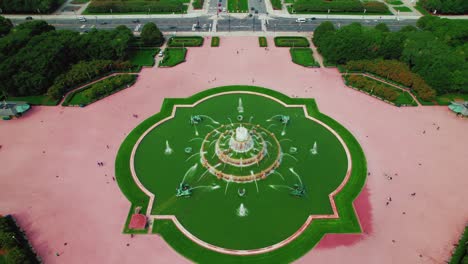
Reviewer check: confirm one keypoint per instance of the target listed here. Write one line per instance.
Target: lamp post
(253, 22)
(229, 21)
(95, 23)
(112, 16)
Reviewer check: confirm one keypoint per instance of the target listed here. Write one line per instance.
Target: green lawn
(142, 57)
(191, 41)
(396, 2)
(402, 9)
(80, 98)
(262, 41)
(291, 42)
(303, 56)
(274, 214)
(447, 98)
(276, 4)
(173, 56)
(238, 6)
(215, 42)
(36, 100)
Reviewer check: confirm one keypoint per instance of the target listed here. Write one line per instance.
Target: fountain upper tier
(241, 141)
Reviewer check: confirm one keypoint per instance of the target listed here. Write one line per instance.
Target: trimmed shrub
(310, 6)
(395, 71)
(215, 42)
(163, 6)
(108, 86)
(276, 4)
(194, 41)
(198, 4)
(292, 42)
(262, 41)
(372, 87)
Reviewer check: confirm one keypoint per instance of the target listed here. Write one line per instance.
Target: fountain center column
(241, 141)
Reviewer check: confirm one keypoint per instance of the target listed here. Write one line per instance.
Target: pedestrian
(113, 178)
(387, 203)
(389, 199)
(438, 128)
(107, 146)
(131, 235)
(237, 52)
(57, 254)
(413, 194)
(99, 164)
(424, 132)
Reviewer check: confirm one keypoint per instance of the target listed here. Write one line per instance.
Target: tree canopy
(5, 26)
(151, 35)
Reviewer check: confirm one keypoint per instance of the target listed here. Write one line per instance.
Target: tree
(7, 240)
(382, 27)
(17, 255)
(151, 35)
(5, 26)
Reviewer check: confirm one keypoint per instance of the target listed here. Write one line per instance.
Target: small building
(461, 108)
(11, 109)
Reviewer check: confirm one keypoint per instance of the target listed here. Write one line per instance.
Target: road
(224, 24)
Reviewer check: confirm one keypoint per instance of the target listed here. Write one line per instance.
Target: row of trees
(445, 6)
(373, 87)
(438, 51)
(161, 6)
(29, 6)
(34, 54)
(305, 6)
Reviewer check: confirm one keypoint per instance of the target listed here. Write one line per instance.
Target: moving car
(81, 18)
(161, 53)
(301, 20)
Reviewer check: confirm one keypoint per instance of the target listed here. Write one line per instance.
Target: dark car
(29, 18)
(136, 21)
(103, 23)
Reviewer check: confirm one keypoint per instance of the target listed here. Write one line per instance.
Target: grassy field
(276, 4)
(396, 2)
(402, 9)
(238, 6)
(142, 57)
(215, 42)
(447, 98)
(303, 56)
(262, 41)
(173, 56)
(192, 41)
(294, 42)
(274, 214)
(36, 100)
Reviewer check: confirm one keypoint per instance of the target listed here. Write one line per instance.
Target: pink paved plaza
(67, 204)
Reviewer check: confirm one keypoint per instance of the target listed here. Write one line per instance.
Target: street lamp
(229, 21)
(253, 22)
(112, 16)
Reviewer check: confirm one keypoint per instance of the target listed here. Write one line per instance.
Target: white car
(301, 20)
(82, 19)
(161, 53)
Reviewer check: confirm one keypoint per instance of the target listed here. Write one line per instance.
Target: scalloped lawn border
(347, 223)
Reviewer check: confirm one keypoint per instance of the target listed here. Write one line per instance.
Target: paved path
(317, 56)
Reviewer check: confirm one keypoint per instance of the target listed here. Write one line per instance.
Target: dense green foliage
(83, 72)
(151, 35)
(438, 52)
(311, 6)
(262, 41)
(291, 42)
(379, 89)
(33, 54)
(101, 89)
(460, 256)
(198, 4)
(29, 6)
(14, 242)
(215, 42)
(137, 6)
(303, 56)
(395, 71)
(5, 26)
(173, 56)
(445, 6)
(192, 41)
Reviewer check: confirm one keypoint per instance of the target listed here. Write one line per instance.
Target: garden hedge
(192, 41)
(310, 6)
(291, 42)
(163, 6)
(14, 241)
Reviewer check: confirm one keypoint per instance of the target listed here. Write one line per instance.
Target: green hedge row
(215, 42)
(29, 6)
(194, 41)
(460, 256)
(84, 72)
(395, 71)
(291, 42)
(163, 6)
(305, 6)
(14, 242)
(262, 41)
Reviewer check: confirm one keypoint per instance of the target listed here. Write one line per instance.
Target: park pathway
(318, 58)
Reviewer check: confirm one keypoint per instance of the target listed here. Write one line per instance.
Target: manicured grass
(422, 10)
(80, 97)
(238, 6)
(192, 41)
(303, 56)
(262, 41)
(198, 4)
(460, 255)
(78, 2)
(215, 42)
(203, 220)
(292, 11)
(137, 43)
(447, 98)
(397, 2)
(276, 4)
(142, 57)
(173, 56)
(36, 100)
(402, 9)
(294, 42)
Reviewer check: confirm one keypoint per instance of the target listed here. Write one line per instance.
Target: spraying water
(277, 187)
(210, 187)
(270, 126)
(195, 154)
(289, 155)
(211, 119)
(255, 180)
(285, 139)
(196, 130)
(230, 121)
(203, 175)
(273, 117)
(242, 210)
(297, 175)
(314, 149)
(250, 119)
(240, 108)
(281, 175)
(190, 172)
(168, 150)
(197, 138)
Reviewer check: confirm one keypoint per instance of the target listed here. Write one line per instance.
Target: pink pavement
(51, 183)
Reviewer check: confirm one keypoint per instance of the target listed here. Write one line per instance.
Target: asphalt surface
(225, 24)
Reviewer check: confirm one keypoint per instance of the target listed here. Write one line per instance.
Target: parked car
(161, 53)
(29, 18)
(136, 21)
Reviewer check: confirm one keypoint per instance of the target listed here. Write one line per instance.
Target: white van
(81, 19)
(301, 20)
